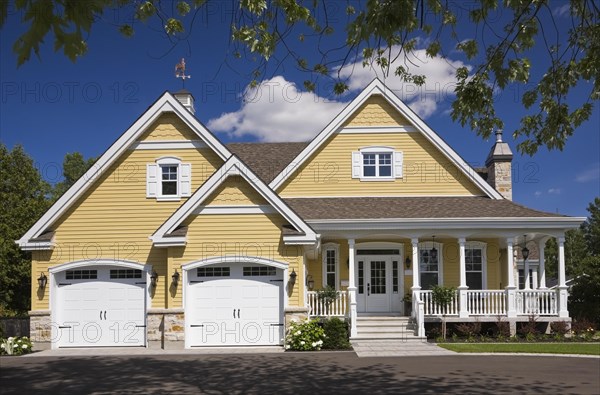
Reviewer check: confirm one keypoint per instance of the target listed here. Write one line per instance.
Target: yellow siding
(240, 235)
(235, 191)
(376, 111)
(113, 219)
(426, 171)
(168, 127)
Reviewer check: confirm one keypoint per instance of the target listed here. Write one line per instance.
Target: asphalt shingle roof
(410, 207)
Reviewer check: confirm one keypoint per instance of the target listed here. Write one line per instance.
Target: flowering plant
(304, 336)
(16, 346)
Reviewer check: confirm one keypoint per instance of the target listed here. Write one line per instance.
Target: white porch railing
(318, 308)
(431, 308)
(486, 302)
(536, 302)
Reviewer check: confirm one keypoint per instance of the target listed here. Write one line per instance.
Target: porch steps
(394, 328)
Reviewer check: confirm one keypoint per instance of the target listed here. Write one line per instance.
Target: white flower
(3, 346)
(298, 333)
(320, 342)
(302, 342)
(314, 344)
(287, 346)
(10, 339)
(24, 346)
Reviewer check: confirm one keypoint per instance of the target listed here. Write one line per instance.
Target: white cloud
(554, 191)
(424, 100)
(591, 174)
(538, 193)
(563, 10)
(277, 110)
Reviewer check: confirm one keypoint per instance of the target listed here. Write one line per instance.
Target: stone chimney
(499, 167)
(185, 97)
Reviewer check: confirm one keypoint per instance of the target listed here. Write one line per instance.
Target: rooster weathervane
(180, 72)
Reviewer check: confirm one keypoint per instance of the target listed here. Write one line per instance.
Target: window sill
(371, 179)
(168, 198)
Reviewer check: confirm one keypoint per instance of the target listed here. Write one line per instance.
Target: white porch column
(462, 288)
(511, 310)
(562, 283)
(526, 274)
(542, 265)
(352, 287)
(416, 287)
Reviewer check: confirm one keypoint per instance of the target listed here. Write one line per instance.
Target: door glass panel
(361, 277)
(395, 276)
(378, 277)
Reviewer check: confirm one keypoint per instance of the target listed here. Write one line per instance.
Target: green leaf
(183, 8)
(126, 30)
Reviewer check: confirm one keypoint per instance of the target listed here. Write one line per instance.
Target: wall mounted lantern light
(434, 251)
(310, 282)
(42, 280)
(175, 277)
(293, 277)
(407, 262)
(153, 278)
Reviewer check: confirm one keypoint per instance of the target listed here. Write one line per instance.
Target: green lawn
(541, 348)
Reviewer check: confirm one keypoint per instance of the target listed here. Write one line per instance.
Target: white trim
(377, 129)
(168, 145)
(166, 103)
(247, 209)
(380, 245)
(233, 166)
(99, 262)
(234, 259)
(376, 87)
(170, 242)
(424, 245)
(38, 246)
(474, 245)
(330, 247)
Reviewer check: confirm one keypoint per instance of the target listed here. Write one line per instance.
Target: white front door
(100, 307)
(234, 305)
(378, 284)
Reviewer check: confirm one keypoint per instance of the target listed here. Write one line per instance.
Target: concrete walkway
(387, 348)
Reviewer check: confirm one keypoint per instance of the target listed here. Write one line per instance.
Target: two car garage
(225, 304)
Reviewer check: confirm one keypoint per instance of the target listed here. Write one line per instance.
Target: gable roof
(376, 87)
(165, 103)
(267, 160)
(233, 167)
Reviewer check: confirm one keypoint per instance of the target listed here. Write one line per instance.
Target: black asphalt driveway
(298, 373)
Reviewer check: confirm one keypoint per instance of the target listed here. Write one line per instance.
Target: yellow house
(174, 239)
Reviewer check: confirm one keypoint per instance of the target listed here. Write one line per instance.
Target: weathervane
(180, 71)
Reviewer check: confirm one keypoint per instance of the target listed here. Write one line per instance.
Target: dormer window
(168, 179)
(377, 164)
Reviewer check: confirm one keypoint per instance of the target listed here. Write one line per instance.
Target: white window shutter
(398, 160)
(151, 179)
(185, 179)
(356, 164)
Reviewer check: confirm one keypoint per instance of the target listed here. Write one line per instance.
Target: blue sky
(52, 106)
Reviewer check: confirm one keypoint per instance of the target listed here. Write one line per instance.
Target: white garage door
(234, 305)
(100, 307)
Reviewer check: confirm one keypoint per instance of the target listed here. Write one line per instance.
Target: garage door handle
(276, 324)
(233, 313)
(275, 280)
(197, 326)
(104, 314)
(140, 326)
(64, 327)
(238, 313)
(100, 315)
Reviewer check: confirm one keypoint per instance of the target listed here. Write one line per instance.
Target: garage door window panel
(81, 274)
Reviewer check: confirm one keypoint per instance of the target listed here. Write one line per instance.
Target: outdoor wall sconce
(525, 250)
(175, 277)
(310, 282)
(407, 263)
(153, 278)
(42, 280)
(293, 277)
(434, 251)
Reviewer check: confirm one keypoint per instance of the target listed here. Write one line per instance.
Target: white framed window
(430, 264)
(476, 264)
(168, 179)
(331, 257)
(533, 274)
(377, 164)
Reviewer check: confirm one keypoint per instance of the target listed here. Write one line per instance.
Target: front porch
(382, 275)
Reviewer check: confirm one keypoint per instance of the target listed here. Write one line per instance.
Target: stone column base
(294, 314)
(40, 329)
(165, 329)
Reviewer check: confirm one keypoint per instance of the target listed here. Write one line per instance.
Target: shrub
(502, 329)
(305, 336)
(529, 329)
(584, 328)
(469, 329)
(336, 334)
(16, 346)
(559, 328)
